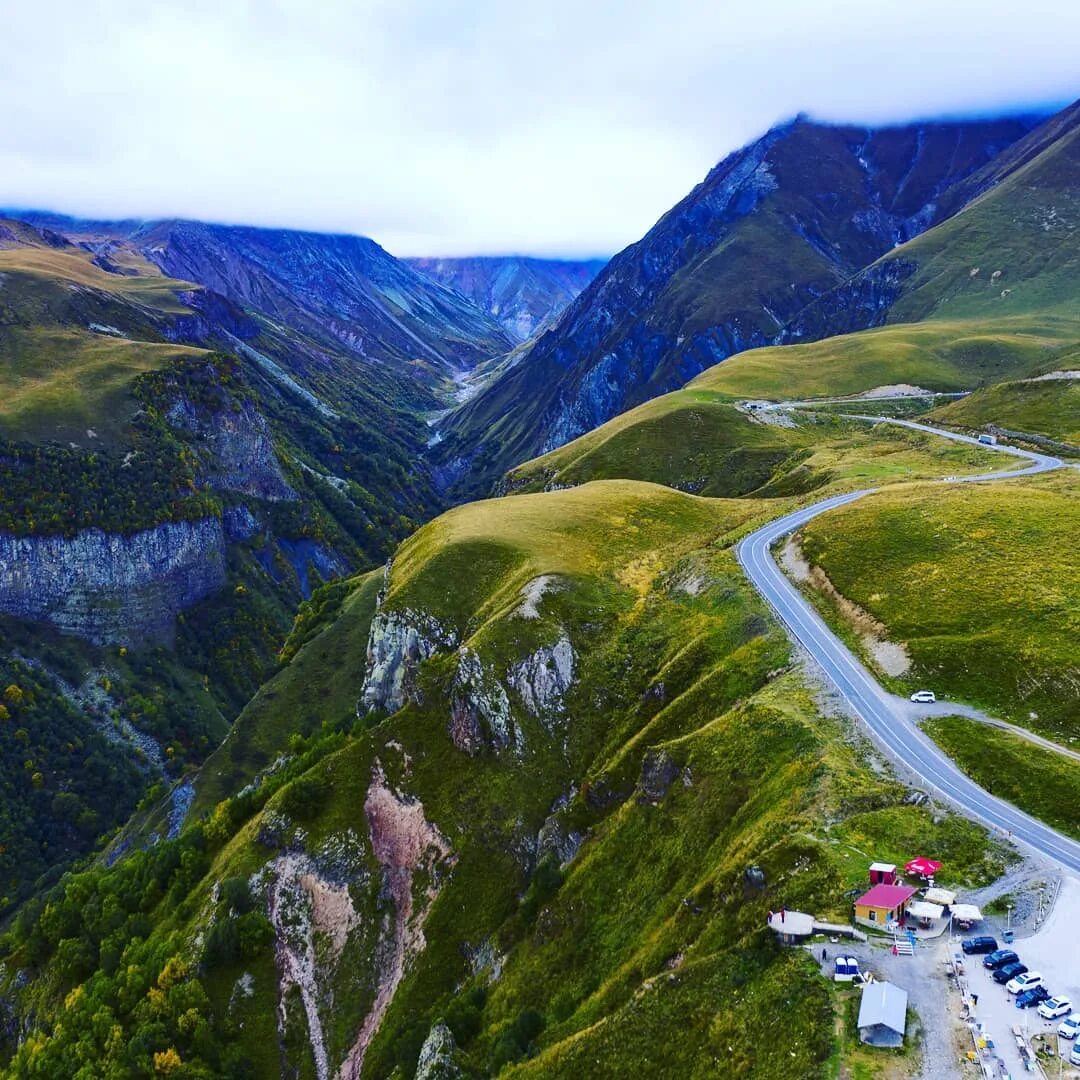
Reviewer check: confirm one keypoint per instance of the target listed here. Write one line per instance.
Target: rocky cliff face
(523, 294)
(398, 642)
(110, 588)
(773, 227)
(343, 291)
(237, 449)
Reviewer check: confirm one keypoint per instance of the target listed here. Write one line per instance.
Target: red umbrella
(922, 867)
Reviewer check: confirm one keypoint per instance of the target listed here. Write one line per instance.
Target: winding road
(903, 740)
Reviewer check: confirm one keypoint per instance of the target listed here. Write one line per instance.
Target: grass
(321, 685)
(943, 355)
(58, 377)
(982, 585)
(697, 440)
(638, 963)
(1040, 782)
(58, 384)
(1048, 407)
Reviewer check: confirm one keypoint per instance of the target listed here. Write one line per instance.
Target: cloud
(455, 128)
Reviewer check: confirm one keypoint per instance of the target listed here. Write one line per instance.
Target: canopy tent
(920, 909)
(967, 913)
(940, 896)
(922, 867)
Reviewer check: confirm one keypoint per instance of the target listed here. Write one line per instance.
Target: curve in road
(903, 741)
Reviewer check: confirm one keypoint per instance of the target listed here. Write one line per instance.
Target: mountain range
(310, 768)
(773, 228)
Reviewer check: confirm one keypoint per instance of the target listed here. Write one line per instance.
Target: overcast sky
(446, 127)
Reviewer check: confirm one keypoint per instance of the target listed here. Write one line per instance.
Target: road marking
(907, 743)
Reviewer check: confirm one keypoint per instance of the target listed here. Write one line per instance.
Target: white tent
(939, 896)
(967, 913)
(920, 909)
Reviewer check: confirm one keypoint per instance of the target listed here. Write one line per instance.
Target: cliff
(110, 588)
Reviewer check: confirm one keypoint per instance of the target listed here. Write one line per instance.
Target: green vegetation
(68, 774)
(1048, 407)
(1041, 782)
(697, 440)
(1013, 249)
(943, 355)
(980, 584)
(678, 739)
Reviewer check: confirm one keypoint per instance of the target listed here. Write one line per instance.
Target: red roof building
(883, 904)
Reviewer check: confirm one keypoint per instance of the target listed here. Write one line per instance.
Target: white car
(1069, 1028)
(1074, 1054)
(923, 697)
(1026, 981)
(1052, 1008)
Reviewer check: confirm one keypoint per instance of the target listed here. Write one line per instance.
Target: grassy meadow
(1041, 782)
(980, 583)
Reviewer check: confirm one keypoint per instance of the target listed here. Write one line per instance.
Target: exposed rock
(110, 588)
(398, 642)
(543, 678)
(406, 845)
(480, 710)
(436, 1061)
(658, 772)
(555, 840)
(237, 449)
(312, 919)
(532, 593)
(240, 523)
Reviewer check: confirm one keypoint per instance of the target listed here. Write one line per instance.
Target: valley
(446, 667)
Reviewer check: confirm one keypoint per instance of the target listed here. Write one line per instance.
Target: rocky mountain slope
(773, 227)
(1013, 248)
(436, 868)
(525, 295)
(342, 292)
(183, 461)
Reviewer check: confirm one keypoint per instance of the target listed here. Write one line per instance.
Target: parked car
(1069, 1028)
(924, 697)
(974, 945)
(1009, 972)
(1054, 1007)
(999, 958)
(1024, 981)
(1026, 998)
(1074, 1054)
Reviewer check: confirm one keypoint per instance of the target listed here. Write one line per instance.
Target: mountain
(183, 459)
(772, 228)
(523, 294)
(342, 292)
(1013, 248)
(523, 802)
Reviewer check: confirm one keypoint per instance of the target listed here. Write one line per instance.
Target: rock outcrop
(436, 1061)
(543, 678)
(110, 588)
(480, 715)
(407, 847)
(398, 642)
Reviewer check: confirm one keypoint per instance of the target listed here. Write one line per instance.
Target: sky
(563, 128)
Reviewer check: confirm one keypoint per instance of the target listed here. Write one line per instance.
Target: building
(883, 1014)
(882, 873)
(883, 904)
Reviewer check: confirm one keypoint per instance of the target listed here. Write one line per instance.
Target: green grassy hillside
(688, 763)
(980, 583)
(1048, 407)
(697, 440)
(73, 337)
(941, 355)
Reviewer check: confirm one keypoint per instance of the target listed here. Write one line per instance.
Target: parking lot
(1053, 951)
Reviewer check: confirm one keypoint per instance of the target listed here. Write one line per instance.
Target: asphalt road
(900, 738)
